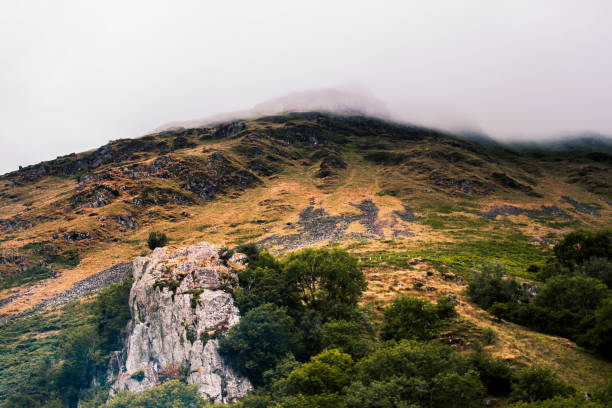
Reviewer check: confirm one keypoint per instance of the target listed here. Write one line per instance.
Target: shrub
(489, 287)
(351, 337)
(537, 384)
(409, 317)
(171, 394)
(488, 336)
(138, 375)
(599, 336)
(598, 268)
(578, 294)
(225, 254)
(577, 247)
(496, 375)
(157, 240)
(326, 373)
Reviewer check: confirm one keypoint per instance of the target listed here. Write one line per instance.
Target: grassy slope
(448, 231)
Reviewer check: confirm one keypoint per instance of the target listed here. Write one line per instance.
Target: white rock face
(179, 307)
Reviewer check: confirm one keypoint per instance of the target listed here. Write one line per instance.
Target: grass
(464, 256)
(26, 277)
(27, 341)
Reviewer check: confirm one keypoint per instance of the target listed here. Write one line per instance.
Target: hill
(414, 205)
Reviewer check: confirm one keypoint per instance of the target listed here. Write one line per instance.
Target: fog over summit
(75, 75)
(321, 100)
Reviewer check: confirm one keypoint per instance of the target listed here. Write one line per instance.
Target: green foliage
(574, 301)
(489, 287)
(537, 384)
(410, 372)
(327, 281)
(171, 394)
(496, 375)
(577, 247)
(58, 368)
(157, 240)
(597, 267)
(410, 317)
(599, 336)
(604, 394)
(576, 294)
(225, 254)
(258, 342)
(138, 375)
(488, 336)
(28, 276)
(355, 338)
(326, 373)
(313, 286)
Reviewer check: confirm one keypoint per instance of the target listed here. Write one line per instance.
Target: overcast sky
(76, 74)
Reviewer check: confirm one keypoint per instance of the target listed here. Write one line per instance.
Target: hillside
(404, 200)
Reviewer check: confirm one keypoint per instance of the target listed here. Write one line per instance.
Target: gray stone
(180, 305)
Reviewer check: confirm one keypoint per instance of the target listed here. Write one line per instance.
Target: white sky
(76, 74)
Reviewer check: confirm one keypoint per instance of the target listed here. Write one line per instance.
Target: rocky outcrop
(180, 304)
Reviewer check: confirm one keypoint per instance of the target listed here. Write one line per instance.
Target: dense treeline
(575, 300)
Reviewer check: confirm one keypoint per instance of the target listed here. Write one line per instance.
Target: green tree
(598, 268)
(261, 339)
(599, 336)
(410, 372)
(489, 287)
(352, 337)
(326, 373)
(455, 390)
(327, 281)
(579, 246)
(537, 384)
(410, 317)
(157, 240)
(578, 294)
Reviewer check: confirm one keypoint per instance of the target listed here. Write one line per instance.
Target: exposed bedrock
(180, 304)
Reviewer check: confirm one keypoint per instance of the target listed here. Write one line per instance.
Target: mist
(74, 75)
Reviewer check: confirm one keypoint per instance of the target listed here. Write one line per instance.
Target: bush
(157, 240)
(598, 268)
(171, 394)
(599, 336)
(138, 375)
(578, 294)
(488, 336)
(489, 287)
(409, 372)
(354, 338)
(496, 375)
(409, 317)
(262, 338)
(326, 373)
(577, 247)
(537, 384)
